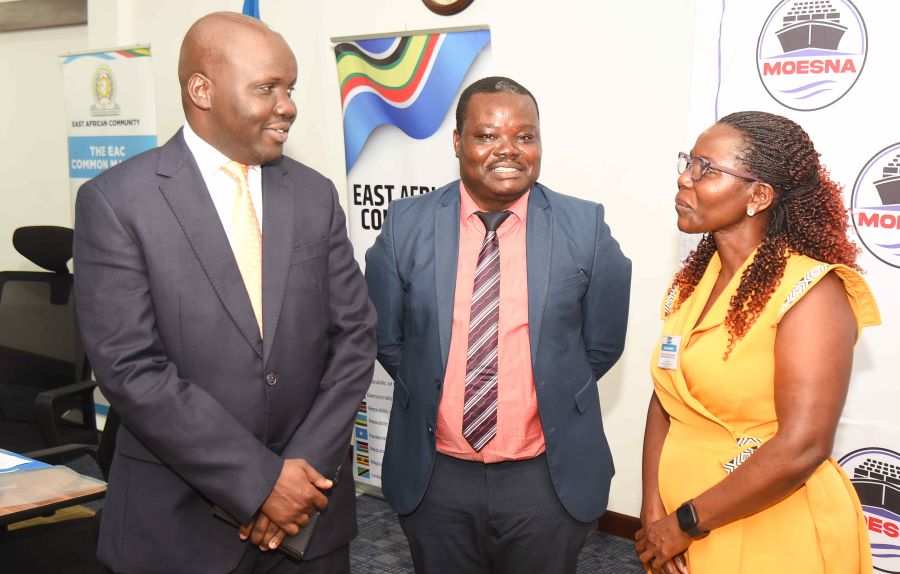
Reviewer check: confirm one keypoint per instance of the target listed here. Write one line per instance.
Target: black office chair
(46, 398)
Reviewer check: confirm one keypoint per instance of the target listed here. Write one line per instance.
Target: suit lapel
(186, 193)
(278, 240)
(538, 249)
(446, 257)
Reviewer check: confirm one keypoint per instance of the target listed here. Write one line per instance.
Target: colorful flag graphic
(362, 471)
(362, 434)
(408, 82)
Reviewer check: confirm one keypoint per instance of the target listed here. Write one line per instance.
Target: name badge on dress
(668, 352)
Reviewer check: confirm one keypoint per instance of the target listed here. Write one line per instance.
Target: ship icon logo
(875, 205)
(811, 24)
(889, 185)
(811, 52)
(875, 475)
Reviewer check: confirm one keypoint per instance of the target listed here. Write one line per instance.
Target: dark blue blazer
(578, 292)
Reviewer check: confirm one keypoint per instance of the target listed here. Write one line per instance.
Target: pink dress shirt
(519, 432)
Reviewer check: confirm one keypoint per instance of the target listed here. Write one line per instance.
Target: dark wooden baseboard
(620, 525)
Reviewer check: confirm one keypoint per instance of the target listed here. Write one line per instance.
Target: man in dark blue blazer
(496, 458)
(232, 391)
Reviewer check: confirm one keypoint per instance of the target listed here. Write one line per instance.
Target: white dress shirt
(220, 185)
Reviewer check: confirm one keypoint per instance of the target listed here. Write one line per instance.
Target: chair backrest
(40, 347)
(38, 332)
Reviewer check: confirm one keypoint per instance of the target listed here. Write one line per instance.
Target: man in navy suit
(227, 323)
(501, 304)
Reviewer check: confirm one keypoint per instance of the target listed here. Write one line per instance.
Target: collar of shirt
(468, 207)
(219, 184)
(209, 159)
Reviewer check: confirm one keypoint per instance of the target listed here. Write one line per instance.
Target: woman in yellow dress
(752, 368)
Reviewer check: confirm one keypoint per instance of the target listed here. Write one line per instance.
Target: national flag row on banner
(361, 436)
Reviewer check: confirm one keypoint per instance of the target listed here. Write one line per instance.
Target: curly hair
(808, 217)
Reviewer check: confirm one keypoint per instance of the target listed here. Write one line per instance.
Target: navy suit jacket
(209, 408)
(578, 293)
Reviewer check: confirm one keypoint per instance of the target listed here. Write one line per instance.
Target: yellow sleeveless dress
(720, 411)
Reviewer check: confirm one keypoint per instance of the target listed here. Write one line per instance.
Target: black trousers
(276, 562)
(500, 518)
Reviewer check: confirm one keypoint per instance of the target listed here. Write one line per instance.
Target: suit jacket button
(271, 379)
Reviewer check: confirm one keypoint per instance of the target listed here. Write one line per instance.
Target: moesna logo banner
(875, 474)
(811, 52)
(875, 205)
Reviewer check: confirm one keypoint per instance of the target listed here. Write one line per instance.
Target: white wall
(33, 169)
(612, 82)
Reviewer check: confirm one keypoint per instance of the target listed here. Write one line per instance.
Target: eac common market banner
(110, 109)
(398, 97)
(111, 115)
(830, 65)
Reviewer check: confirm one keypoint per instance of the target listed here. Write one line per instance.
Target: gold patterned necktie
(246, 238)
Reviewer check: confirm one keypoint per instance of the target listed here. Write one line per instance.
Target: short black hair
(490, 85)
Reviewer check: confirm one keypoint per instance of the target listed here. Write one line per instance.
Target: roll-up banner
(831, 66)
(398, 97)
(111, 116)
(110, 109)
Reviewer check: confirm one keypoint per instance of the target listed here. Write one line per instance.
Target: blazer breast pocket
(568, 282)
(309, 252)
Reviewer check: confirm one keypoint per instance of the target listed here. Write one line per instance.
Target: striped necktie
(246, 238)
(480, 408)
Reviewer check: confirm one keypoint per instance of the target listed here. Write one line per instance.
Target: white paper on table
(8, 461)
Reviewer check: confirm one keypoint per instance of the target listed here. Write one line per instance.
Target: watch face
(687, 520)
(446, 7)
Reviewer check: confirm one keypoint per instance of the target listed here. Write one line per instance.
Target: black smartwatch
(687, 520)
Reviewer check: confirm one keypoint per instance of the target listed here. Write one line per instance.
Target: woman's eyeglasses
(698, 167)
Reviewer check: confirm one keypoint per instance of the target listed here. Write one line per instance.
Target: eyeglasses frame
(706, 165)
